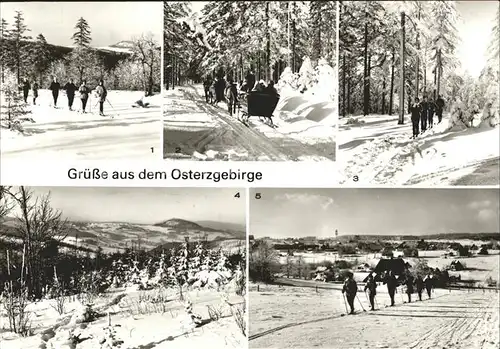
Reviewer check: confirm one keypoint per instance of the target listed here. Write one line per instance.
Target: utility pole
(401, 120)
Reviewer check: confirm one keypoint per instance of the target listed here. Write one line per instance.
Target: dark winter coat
(391, 282)
(416, 110)
(419, 284)
(70, 88)
(35, 90)
(424, 106)
(250, 81)
(432, 107)
(101, 93)
(55, 87)
(350, 287)
(428, 283)
(84, 92)
(371, 286)
(26, 86)
(440, 103)
(409, 284)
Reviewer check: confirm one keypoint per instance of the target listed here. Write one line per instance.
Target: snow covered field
(140, 322)
(379, 151)
(60, 133)
(301, 317)
(198, 131)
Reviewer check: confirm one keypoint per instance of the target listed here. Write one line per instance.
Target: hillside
(112, 236)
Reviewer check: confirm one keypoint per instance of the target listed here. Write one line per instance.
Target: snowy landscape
(450, 136)
(81, 96)
(172, 284)
(298, 269)
(214, 68)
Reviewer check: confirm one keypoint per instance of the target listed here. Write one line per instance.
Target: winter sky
(110, 22)
(475, 29)
(318, 212)
(147, 205)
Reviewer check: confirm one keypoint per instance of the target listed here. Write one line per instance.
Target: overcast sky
(478, 19)
(110, 22)
(318, 212)
(147, 205)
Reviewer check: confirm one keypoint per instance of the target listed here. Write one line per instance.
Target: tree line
(36, 59)
(234, 37)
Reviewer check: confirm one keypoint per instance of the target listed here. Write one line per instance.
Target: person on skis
(419, 284)
(409, 286)
(35, 92)
(424, 114)
(26, 89)
(392, 285)
(101, 93)
(439, 108)
(350, 289)
(70, 88)
(432, 110)
(371, 286)
(428, 281)
(55, 87)
(84, 94)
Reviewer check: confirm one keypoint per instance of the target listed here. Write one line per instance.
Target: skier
(26, 89)
(392, 284)
(419, 284)
(35, 92)
(55, 87)
(350, 288)
(70, 88)
(415, 117)
(439, 108)
(206, 86)
(409, 286)
(232, 96)
(432, 109)
(101, 93)
(84, 94)
(424, 114)
(428, 284)
(371, 286)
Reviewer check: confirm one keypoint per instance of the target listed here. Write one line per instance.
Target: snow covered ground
(68, 134)
(379, 151)
(140, 323)
(195, 130)
(301, 317)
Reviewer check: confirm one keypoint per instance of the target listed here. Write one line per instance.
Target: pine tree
(13, 105)
(4, 47)
(41, 57)
(82, 56)
(17, 35)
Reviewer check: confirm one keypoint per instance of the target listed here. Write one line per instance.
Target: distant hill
(223, 225)
(111, 236)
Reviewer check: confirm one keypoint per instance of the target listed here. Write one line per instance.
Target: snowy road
(451, 320)
(64, 134)
(194, 129)
(379, 151)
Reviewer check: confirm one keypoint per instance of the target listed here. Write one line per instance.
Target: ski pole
(345, 303)
(361, 304)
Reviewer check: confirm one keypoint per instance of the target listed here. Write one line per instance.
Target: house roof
(396, 265)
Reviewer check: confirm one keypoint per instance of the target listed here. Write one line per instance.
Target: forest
(130, 65)
(234, 37)
(405, 49)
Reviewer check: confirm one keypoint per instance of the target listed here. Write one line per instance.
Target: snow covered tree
(12, 107)
(41, 57)
(82, 54)
(18, 55)
(4, 47)
(148, 54)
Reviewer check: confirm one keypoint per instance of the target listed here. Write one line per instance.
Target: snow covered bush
(307, 76)
(239, 316)
(15, 302)
(325, 87)
(110, 339)
(12, 107)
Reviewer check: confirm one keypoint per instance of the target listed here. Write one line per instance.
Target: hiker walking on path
(415, 117)
(101, 95)
(35, 92)
(371, 286)
(432, 110)
(424, 114)
(419, 284)
(439, 108)
(392, 284)
(55, 87)
(26, 89)
(428, 284)
(70, 88)
(409, 286)
(84, 95)
(350, 289)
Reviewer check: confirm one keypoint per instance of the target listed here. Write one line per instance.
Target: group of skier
(350, 287)
(84, 91)
(422, 114)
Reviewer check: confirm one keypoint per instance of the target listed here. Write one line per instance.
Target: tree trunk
(294, 38)
(383, 94)
(268, 45)
(391, 95)
(343, 85)
(439, 72)
(366, 96)
(401, 119)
